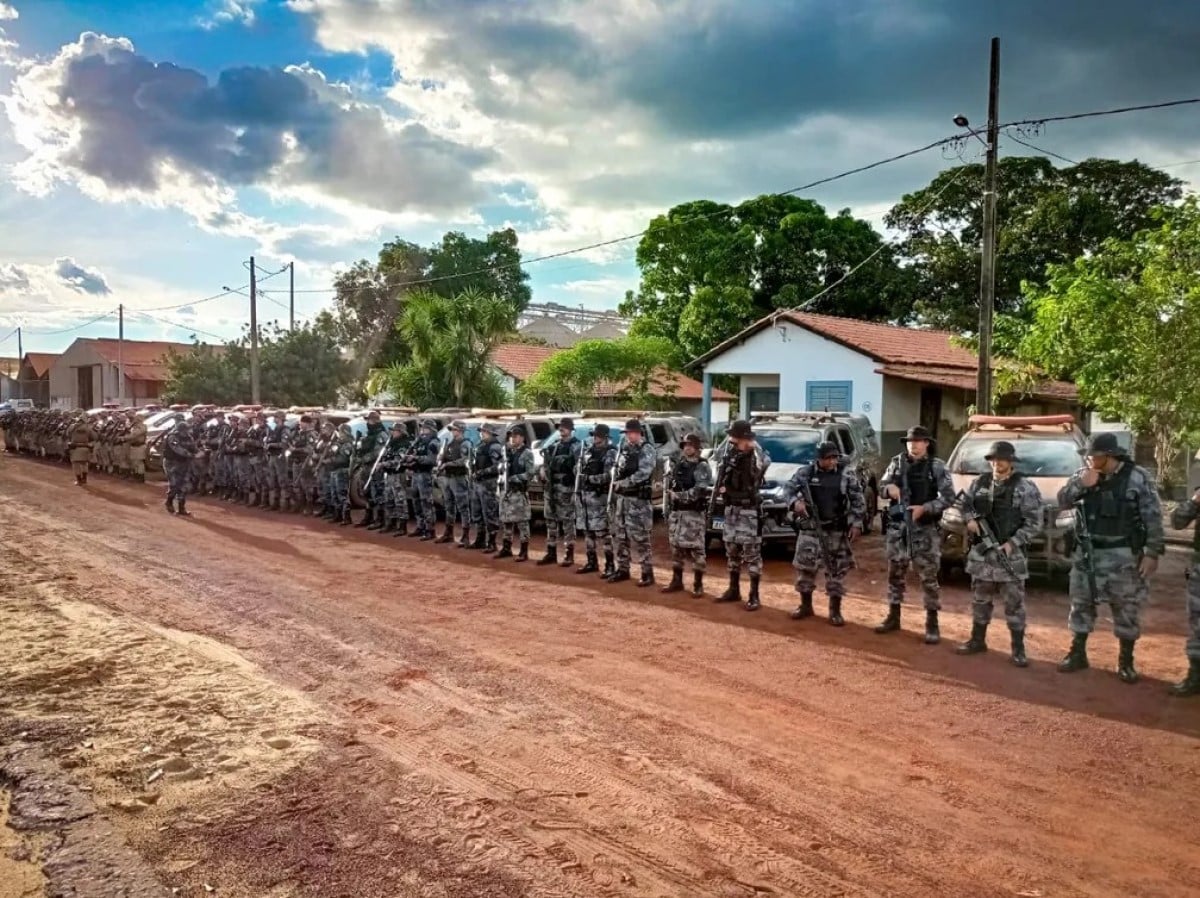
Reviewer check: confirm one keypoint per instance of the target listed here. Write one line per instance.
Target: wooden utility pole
(121, 355)
(292, 296)
(254, 390)
(987, 268)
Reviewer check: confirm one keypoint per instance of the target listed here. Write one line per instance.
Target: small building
(895, 376)
(86, 375)
(550, 331)
(516, 362)
(33, 377)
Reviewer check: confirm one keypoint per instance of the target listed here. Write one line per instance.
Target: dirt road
(266, 706)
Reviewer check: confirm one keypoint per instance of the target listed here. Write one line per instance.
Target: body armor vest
(828, 496)
(920, 484)
(997, 503)
(683, 478)
(593, 465)
(484, 461)
(627, 465)
(560, 464)
(1112, 515)
(741, 481)
(425, 446)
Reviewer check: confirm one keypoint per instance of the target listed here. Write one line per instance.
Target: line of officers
(603, 492)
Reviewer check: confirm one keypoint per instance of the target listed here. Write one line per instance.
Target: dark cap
(601, 430)
(1104, 444)
(740, 430)
(429, 424)
(399, 426)
(633, 425)
(304, 419)
(490, 428)
(458, 425)
(828, 449)
(1002, 450)
(567, 423)
(516, 428)
(917, 432)
(373, 413)
(694, 439)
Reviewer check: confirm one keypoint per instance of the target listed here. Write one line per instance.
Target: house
(86, 375)
(550, 331)
(516, 362)
(33, 377)
(896, 376)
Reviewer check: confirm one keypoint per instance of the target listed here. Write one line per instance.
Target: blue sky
(151, 146)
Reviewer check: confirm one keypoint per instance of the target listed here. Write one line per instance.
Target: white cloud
(80, 278)
(227, 12)
(8, 12)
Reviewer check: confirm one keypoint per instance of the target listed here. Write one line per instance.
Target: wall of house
(64, 383)
(693, 407)
(790, 358)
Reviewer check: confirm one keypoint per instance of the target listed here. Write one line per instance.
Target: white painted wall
(692, 407)
(795, 356)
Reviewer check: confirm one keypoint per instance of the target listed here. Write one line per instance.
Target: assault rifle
(666, 499)
(612, 480)
(813, 517)
(375, 467)
(905, 509)
(989, 542)
(718, 484)
(1086, 550)
(502, 483)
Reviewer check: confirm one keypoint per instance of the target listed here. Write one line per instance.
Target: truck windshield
(1048, 457)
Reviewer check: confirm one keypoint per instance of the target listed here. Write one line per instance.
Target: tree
(1046, 216)
(450, 341)
(767, 253)
(633, 366)
(1124, 323)
(304, 367)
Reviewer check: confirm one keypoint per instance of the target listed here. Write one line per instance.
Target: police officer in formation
(686, 491)
(631, 487)
(743, 463)
(919, 486)
(1120, 509)
(424, 459)
(597, 464)
(367, 450)
(560, 462)
(1003, 512)
(827, 529)
(392, 472)
(456, 493)
(487, 463)
(80, 438)
(301, 456)
(179, 448)
(515, 512)
(1185, 514)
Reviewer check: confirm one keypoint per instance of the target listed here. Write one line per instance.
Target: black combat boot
(1126, 672)
(977, 644)
(418, 529)
(676, 584)
(551, 556)
(1018, 649)
(647, 578)
(401, 528)
(377, 524)
(523, 553)
(464, 541)
(891, 623)
(752, 602)
(568, 557)
(618, 576)
(346, 519)
(933, 635)
(447, 535)
(276, 501)
(428, 534)
(835, 612)
(480, 539)
(697, 583)
(1076, 657)
(367, 518)
(182, 510)
(805, 608)
(609, 567)
(734, 592)
(590, 566)
(489, 545)
(389, 525)
(1189, 685)
(505, 550)
(170, 503)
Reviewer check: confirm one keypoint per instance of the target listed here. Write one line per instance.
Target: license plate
(718, 522)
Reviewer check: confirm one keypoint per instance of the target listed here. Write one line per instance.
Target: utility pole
(987, 268)
(292, 296)
(20, 359)
(254, 392)
(121, 355)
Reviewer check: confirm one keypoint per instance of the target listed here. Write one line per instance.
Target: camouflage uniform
(255, 482)
(456, 494)
(487, 461)
(275, 476)
(739, 481)
(395, 488)
(1010, 510)
(1124, 518)
(136, 441)
(514, 502)
(367, 450)
(1185, 513)
(339, 475)
(178, 451)
(591, 508)
(634, 511)
(928, 485)
(686, 487)
(838, 506)
(425, 452)
(80, 438)
(558, 497)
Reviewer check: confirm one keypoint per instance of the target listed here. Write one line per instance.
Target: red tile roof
(960, 379)
(520, 361)
(143, 360)
(887, 343)
(40, 362)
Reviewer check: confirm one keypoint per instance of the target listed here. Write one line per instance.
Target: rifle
(612, 479)
(374, 467)
(988, 541)
(905, 505)
(1087, 550)
(666, 499)
(502, 483)
(441, 458)
(718, 485)
(811, 507)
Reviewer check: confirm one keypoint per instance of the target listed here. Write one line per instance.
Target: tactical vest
(829, 497)
(484, 462)
(425, 446)
(254, 440)
(301, 443)
(741, 481)
(996, 502)
(1112, 515)
(921, 486)
(455, 450)
(273, 441)
(683, 478)
(560, 464)
(515, 467)
(627, 466)
(593, 466)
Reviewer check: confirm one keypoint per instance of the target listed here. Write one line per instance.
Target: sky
(150, 147)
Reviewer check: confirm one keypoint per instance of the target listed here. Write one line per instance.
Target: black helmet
(601, 430)
(516, 428)
(1001, 450)
(740, 430)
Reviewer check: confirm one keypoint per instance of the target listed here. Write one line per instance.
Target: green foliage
(450, 341)
(300, 368)
(1124, 323)
(1045, 216)
(633, 365)
(710, 269)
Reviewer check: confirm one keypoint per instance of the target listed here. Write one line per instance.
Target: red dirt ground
(453, 725)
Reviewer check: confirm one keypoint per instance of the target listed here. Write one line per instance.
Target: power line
(11, 333)
(67, 330)
(182, 304)
(185, 327)
(1031, 146)
(1075, 116)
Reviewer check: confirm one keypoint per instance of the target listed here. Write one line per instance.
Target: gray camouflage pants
(1011, 592)
(456, 493)
(743, 545)
(591, 517)
(276, 476)
(514, 517)
(178, 473)
(486, 506)
(688, 540)
(635, 517)
(1118, 583)
(926, 558)
(395, 495)
(1192, 647)
(809, 559)
(559, 512)
(426, 512)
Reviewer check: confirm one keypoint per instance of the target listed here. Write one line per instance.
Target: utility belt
(741, 503)
(423, 469)
(274, 450)
(1112, 542)
(487, 474)
(694, 505)
(519, 488)
(636, 492)
(136, 445)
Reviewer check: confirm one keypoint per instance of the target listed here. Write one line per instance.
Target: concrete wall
(692, 407)
(64, 378)
(789, 356)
